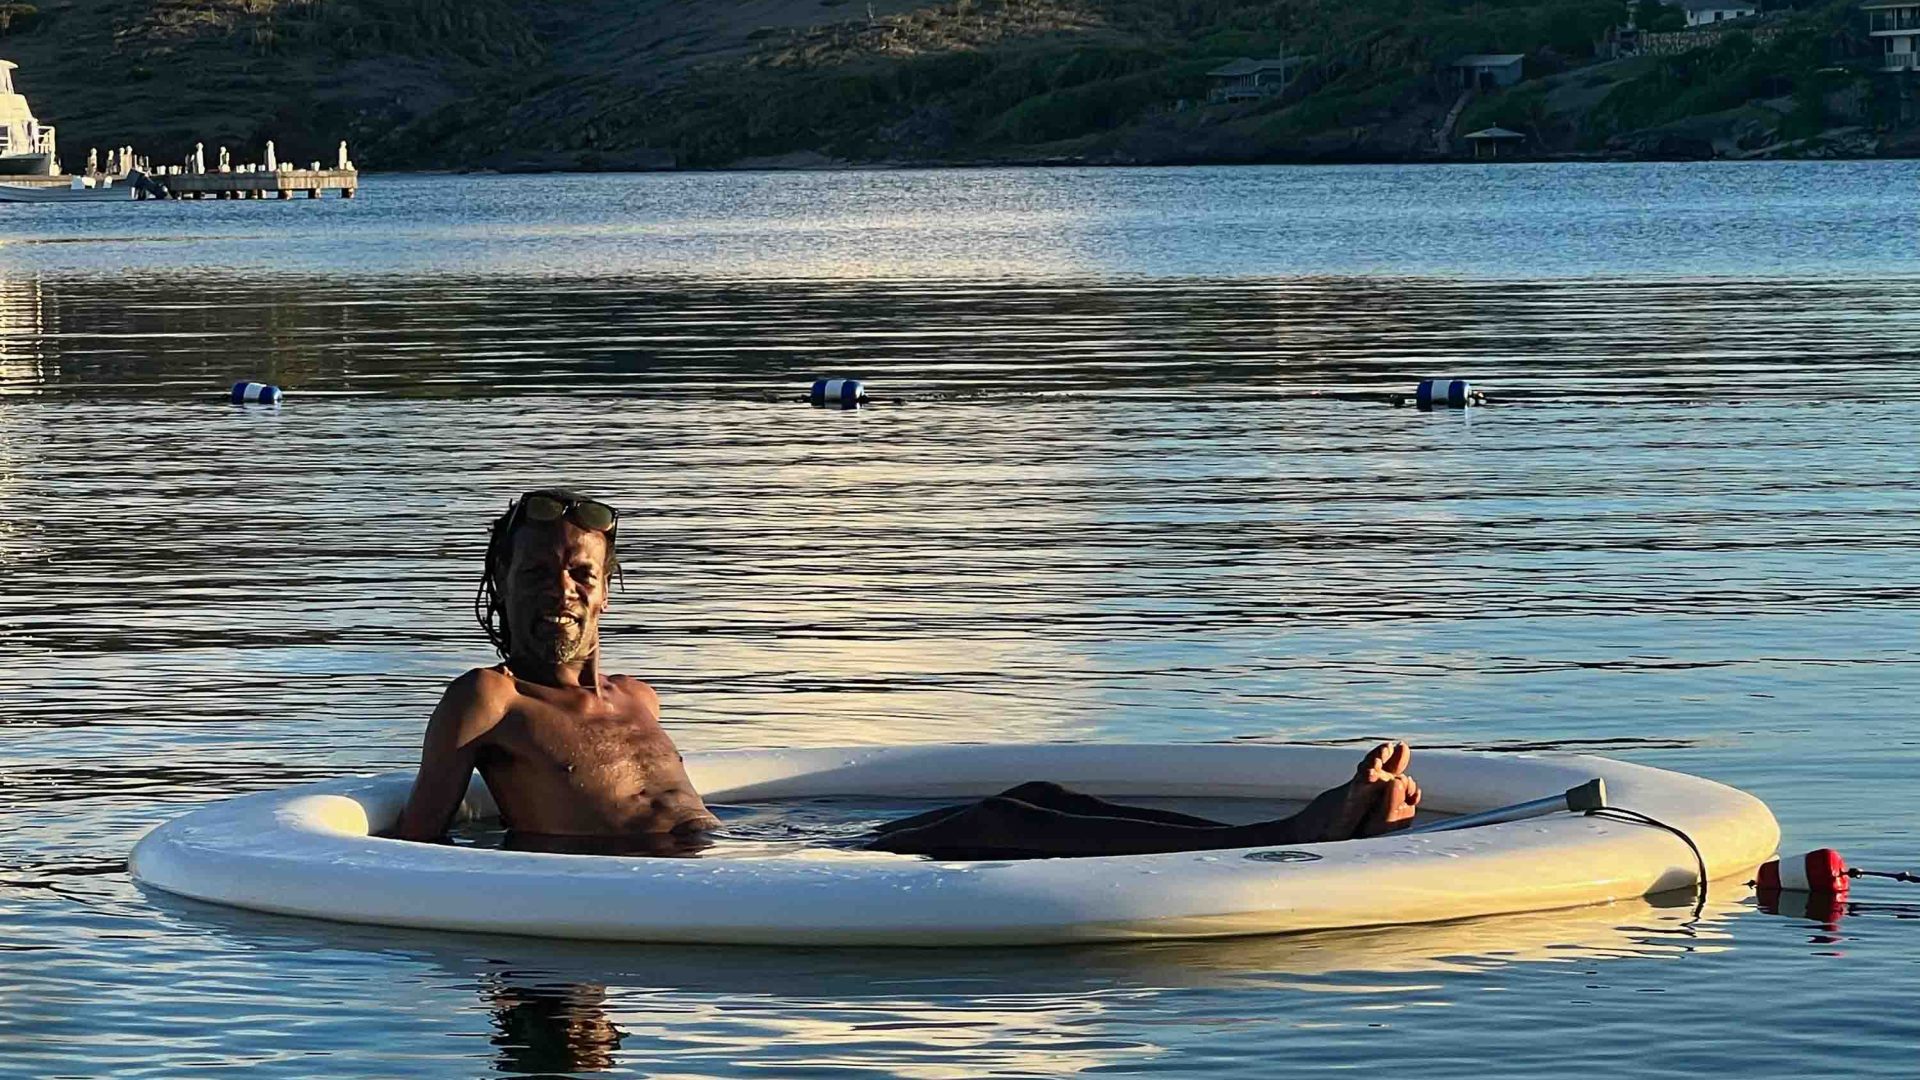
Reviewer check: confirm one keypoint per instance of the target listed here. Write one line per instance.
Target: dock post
(285, 194)
(346, 193)
(313, 193)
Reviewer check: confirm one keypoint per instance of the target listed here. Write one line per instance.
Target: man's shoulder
(473, 705)
(627, 684)
(483, 686)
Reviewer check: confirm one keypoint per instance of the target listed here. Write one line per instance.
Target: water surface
(1101, 503)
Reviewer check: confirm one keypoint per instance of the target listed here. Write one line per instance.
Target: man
(578, 762)
(575, 758)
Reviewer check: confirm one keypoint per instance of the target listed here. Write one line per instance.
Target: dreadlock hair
(489, 600)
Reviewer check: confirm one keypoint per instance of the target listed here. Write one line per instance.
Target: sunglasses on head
(590, 514)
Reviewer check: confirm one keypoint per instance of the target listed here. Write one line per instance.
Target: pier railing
(194, 179)
(259, 183)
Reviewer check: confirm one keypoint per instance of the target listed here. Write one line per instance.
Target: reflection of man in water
(547, 1028)
(577, 760)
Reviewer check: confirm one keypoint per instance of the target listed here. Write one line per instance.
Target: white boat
(26, 145)
(312, 851)
(82, 189)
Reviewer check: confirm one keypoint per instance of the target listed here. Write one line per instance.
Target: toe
(1398, 759)
(1374, 762)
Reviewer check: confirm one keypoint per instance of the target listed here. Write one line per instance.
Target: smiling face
(555, 588)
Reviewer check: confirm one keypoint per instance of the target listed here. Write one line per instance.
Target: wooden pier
(280, 184)
(284, 184)
(193, 178)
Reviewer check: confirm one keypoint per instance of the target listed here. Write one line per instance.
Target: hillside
(585, 84)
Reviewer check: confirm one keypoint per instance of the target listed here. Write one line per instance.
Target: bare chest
(588, 771)
(589, 746)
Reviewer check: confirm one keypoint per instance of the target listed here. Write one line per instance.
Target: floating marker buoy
(1445, 394)
(841, 393)
(253, 393)
(1821, 871)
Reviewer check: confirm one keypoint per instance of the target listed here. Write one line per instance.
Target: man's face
(555, 589)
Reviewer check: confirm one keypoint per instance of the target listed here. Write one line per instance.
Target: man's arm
(467, 712)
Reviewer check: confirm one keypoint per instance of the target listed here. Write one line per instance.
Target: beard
(555, 642)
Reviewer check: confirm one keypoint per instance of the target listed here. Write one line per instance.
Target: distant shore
(500, 85)
(823, 164)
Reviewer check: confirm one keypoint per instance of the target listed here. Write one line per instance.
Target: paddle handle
(1591, 795)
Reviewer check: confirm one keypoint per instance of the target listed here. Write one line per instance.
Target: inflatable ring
(307, 851)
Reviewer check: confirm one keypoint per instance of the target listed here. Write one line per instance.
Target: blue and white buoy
(1444, 394)
(838, 393)
(254, 393)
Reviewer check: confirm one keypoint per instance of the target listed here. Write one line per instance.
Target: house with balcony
(1895, 29)
(1251, 80)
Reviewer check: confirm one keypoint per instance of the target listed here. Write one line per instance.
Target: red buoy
(1820, 871)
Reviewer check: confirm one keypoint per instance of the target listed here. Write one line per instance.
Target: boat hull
(26, 165)
(21, 193)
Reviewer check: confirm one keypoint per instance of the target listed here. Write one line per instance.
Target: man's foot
(1381, 798)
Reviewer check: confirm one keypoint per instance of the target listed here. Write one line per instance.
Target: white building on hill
(1896, 27)
(1708, 12)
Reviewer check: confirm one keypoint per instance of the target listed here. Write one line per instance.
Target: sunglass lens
(543, 508)
(597, 516)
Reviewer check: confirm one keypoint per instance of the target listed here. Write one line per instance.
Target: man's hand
(466, 715)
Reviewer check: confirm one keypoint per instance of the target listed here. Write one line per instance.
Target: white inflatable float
(307, 851)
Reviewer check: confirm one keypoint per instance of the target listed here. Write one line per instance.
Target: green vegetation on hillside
(1107, 66)
(1783, 86)
(624, 83)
